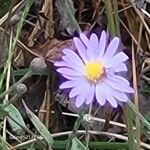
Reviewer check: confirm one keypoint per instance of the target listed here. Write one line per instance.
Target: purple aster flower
(91, 73)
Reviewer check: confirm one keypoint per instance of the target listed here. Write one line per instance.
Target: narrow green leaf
(22, 72)
(39, 126)
(58, 145)
(147, 116)
(110, 17)
(144, 122)
(77, 145)
(3, 144)
(69, 10)
(116, 16)
(15, 115)
(3, 113)
(131, 134)
(67, 13)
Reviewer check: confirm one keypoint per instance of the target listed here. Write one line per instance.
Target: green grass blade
(116, 17)
(144, 122)
(77, 145)
(129, 115)
(15, 115)
(69, 10)
(39, 126)
(110, 17)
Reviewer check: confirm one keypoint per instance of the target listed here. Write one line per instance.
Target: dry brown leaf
(3, 49)
(51, 49)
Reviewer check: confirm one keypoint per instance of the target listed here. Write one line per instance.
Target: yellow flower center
(94, 71)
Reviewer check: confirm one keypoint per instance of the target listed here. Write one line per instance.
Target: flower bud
(87, 118)
(21, 88)
(37, 65)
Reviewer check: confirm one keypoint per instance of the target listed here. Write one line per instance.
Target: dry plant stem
(50, 83)
(24, 47)
(27, 130)
(4, 129)
(47, 9)
(146, 34)
(136, 98)
(27, 49)
(18, 6)
(36, 26)
(13, 136)
(14, 41)
(8, 67)
(136, 42)
(145, 12)
(7, 81)
(124, 8)
(50, 23)
(148, 40)
(92, 26)
(142, 19)
(96, 9)
(41, 116)
(25, 143)
(109, 134)
(93, 119)
(48, 97)
(13, 2)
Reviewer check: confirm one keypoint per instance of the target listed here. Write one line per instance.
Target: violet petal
(118, 79)
(80, 99)
(67, 71)
(112, 48)
(120, 96)
(72, 56)
(90, 96)
(102, 45)
(84, 39)
(59, 63)
(94, 43)
(67, 84)
(120, 67)
(117, 59)
(82, 86)
(81, 49)
(104, 89)
(120, 87)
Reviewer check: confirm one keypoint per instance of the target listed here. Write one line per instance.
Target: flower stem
(29, 74)
(76, 127)
(87, 129)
